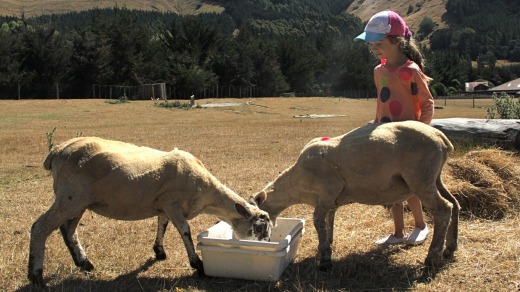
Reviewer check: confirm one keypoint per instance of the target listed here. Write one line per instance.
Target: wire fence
(145, 91)
(166, 92)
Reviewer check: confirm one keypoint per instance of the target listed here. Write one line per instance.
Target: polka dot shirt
(402, 94)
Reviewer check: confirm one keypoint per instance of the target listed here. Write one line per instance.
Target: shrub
(121, 99)
(176, 104)
(426, 27)
(49, 136)
(439, 89)
(505, 107)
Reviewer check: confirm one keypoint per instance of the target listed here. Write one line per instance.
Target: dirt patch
(318, 116)
(226, 104)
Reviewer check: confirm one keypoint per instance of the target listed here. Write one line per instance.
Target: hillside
(40, 7)
(433, 9)
(302, 46)
(362, 9)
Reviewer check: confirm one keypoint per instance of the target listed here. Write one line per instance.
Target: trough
(225, 256)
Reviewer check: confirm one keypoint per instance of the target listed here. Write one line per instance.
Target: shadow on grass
(372, 270)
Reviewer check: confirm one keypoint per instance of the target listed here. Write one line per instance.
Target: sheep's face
(256, 226)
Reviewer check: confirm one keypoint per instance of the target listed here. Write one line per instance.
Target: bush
(176, 104)
(439, 89)
(121, 99)
(505, 107)
(426, 27)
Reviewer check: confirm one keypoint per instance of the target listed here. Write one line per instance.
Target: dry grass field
(245, 147)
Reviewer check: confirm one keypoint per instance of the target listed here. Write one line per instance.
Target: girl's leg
(420, 231)
(416, 208)
(398, 236)
(398, 215)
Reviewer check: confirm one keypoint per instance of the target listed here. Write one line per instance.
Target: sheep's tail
(57, 151)
(47, 164)
(447, 142)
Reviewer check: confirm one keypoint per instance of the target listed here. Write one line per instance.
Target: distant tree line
(305, 47)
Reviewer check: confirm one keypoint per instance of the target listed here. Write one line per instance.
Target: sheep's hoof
(160, 254)
(448, 254)
(86, 265)
(325, 266)
(199, 267)
(428, 272)
(37, 279)
(433, 261)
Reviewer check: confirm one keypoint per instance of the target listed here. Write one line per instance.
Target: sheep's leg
(56, 216)
(70, 236)
(320, 213)
(40, 230)
(453, 229)
(175, 215)
(158, 248)
(330, 225)
(441, 211)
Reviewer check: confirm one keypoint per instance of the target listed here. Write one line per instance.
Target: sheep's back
(96, 157)
(363, 148)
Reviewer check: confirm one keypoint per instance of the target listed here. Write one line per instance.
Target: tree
(357, 67)
(11, 72)
(268, 76)
(486, 66)
(126, 40)
(193, 47)
(298, 59)
(446, 66)
(426, 27)
(90, 61)
(46, 55)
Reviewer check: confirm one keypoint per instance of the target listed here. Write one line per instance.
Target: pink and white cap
(383, 24)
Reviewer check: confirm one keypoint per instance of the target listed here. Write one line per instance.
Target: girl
(402, 94)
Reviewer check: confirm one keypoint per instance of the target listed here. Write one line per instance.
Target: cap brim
(370, 36)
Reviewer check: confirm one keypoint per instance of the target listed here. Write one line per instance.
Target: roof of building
(513, 85)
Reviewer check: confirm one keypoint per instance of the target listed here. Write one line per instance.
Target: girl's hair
(411, 49)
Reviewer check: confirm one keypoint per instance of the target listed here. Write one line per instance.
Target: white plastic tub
(224, 256)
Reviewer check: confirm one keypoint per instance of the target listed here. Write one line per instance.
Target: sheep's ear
(260, 198)
(243, 211)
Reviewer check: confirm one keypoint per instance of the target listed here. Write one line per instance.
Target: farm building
(511, 87)
(477, 86)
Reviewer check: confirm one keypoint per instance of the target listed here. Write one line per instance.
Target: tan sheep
(375, 164)
(127, 182)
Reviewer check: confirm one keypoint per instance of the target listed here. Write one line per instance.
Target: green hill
(32, 8)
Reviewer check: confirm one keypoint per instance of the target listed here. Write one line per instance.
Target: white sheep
(374, 164)
(127, 182)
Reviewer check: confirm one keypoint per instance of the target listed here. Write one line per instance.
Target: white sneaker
(418, 236)
(390, 240)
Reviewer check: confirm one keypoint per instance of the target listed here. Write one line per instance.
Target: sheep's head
(270, 206)
(258, 226)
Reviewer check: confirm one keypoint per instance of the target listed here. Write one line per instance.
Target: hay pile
(485, 182)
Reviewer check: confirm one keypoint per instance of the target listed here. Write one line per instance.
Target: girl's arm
(424, 98)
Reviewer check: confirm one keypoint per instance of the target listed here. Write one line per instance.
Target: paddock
(245, 147)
